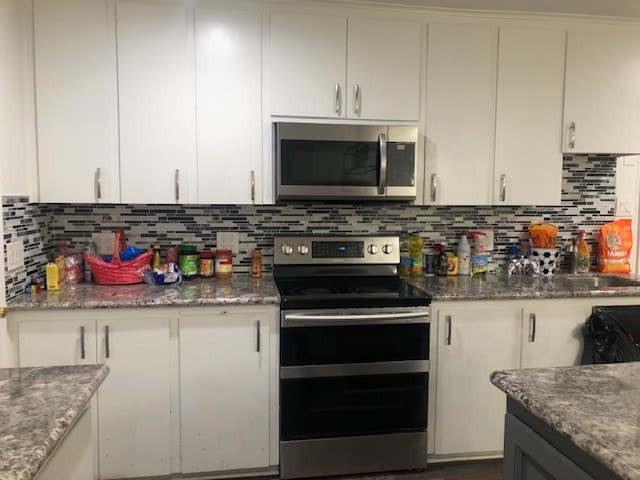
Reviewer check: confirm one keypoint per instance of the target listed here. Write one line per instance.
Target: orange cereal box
(614, 247)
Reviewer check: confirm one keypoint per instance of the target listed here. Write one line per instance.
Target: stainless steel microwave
(345, 162)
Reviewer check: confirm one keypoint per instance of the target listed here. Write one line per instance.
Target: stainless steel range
(354, 358)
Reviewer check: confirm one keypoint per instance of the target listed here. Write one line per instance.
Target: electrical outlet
(103, 243)
(15, 255)
(228, 241)
(488, 241)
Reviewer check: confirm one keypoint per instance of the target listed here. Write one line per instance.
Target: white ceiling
(605, 8)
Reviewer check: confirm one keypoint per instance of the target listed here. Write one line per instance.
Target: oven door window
(354, 344)
(349, 406)
(329, 163)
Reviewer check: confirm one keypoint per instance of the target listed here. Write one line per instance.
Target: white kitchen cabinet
(229, 105)
(473, 341)
(528, 156)
(133, 415)
(601, 97)
(225, 383)
(552, 334)
(134, 402)
(337, 67)
(460, 114)
(76, 101)
(156, 102)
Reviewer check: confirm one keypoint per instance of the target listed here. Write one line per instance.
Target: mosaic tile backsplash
(588, 201)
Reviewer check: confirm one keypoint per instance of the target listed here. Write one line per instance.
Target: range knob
(387, 248)
(372, 249)
(303, 249)
(287, 249)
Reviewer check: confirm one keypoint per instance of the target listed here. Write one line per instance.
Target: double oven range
(354, 357)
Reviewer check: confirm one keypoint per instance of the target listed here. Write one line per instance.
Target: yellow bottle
(584, 253)
(53, 279)
(156, 259)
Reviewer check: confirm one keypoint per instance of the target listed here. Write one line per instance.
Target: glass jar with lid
(206, 264)
(188, 260)
(224, 264)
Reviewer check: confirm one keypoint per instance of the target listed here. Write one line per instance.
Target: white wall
(17, 106)
(628, 200)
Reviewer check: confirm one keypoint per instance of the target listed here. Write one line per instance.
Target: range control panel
(348, 249)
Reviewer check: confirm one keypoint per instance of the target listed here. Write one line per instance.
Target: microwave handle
(382, 144)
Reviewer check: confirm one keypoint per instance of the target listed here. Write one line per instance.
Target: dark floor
(479, 470)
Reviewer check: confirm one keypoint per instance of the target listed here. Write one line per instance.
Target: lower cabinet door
(224, 391)
(57, 342)
(473, 341)
(134, 402)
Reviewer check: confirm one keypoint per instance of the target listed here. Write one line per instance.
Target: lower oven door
(353, 392)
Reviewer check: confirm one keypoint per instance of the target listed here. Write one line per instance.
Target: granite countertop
(37, 407)
(505, 287)
(596, 406)
(240, 289)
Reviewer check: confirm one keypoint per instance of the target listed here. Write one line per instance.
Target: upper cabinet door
(383, 69)
(156, 103)
(602, 98)
(460, 116)
(229, 105)
(307, 58)
(76, 100)
(528, 157)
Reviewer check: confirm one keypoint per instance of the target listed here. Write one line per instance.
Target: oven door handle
(354, 369)
(310, 319)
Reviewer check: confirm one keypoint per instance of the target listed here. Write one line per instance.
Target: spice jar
(256, 264)
(206, 264)
(172, 255)
(224, 263)
(188, 260)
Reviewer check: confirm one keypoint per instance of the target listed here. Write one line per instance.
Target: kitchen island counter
(199, 292)
(505, 287)
(39, 407)
(591, 414)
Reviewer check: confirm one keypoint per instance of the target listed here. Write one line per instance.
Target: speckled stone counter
(504, 287)
(241, 289)
(596, 406)
(37, 408)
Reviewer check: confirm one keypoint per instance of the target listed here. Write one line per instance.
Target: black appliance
(354, 358)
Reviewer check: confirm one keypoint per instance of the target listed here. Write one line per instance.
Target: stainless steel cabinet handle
(106, 341)
(82, 350)
(532, 327)
(258, 336)
(447, 339)
(98, 183)
(572, 134)
(357, 103)
(253, 187)
(434, 187)
(382, 185)
(177, 181)
(338, 99)
(503, 187)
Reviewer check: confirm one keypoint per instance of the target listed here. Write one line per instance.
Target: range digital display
(324, 249)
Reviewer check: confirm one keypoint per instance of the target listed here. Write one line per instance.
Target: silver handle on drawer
(503, 187)
(106, 341)
(434, 187)
(572, 134)
(258, 336)
(253, 187)
(302, 319)
(532, 327)
(177, 185)
(354, 369)
(447, 337)
(356, 94)
(338, 99)
(82, 350)
(98, 183)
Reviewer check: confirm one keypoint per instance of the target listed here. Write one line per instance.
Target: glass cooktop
(348, 292)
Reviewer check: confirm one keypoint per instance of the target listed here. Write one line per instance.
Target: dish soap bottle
(584, 253)
(464, 256)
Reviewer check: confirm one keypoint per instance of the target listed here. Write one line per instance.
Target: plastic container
(206, 264)
(443, 262)
(464, 256)
(416, 242)
(429, 266)
(188, 259)
(256, 264)
(156, 260)
(405, 262)
(584, 253)
(224, 264)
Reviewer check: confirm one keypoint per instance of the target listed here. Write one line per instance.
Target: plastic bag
(165, 274)
(606, 342)
(614, 247)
